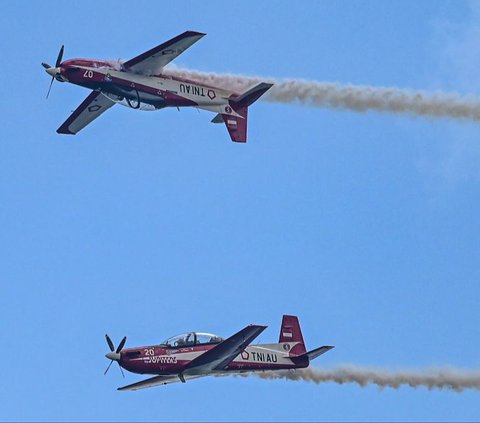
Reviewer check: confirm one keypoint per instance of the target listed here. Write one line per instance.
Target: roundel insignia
(228, 109)
(211, 94)
(245, 355)
(94, 108)
(286, 347)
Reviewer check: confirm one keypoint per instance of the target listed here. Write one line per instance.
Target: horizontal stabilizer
(217, 119)
(318, 351)
(252, 95)
(305, 358)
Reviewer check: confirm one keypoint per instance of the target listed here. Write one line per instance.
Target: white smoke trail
(352, 97)
(450, 378)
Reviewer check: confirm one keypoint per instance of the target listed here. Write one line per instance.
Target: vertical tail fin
(237, 125)
(236, 122)
(291, 333)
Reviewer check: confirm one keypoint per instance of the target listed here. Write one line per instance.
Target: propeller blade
(120, 367)
(60, 57)
(110, 343)
(121, 345)
(111, 361)
(46, 65)
(50, 87)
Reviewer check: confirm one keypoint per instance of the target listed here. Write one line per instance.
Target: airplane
(198, 354)
(140, 84)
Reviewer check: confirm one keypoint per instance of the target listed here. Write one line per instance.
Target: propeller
(110, 343)
(53, 70)
(114, 354)
(59, 57)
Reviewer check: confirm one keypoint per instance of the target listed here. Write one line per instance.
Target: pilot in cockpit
(180, 342)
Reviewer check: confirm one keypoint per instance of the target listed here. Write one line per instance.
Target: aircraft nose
(57, 74)
(113, 356)
(52, 71)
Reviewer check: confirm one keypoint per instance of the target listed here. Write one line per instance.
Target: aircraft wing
(155, 381)
(222, 354)
(91, 108)
(152, 61)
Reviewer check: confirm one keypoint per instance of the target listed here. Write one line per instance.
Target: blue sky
(151, 224)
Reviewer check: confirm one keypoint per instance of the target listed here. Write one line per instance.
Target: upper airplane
(139, 83)
(195, 354)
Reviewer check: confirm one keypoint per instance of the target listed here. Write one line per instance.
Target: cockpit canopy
(191, 339)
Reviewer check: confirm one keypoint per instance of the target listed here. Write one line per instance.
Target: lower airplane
(140, 83)
(196, 354)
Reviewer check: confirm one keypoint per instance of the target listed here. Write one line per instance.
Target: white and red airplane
(140, 84)
(196, 354)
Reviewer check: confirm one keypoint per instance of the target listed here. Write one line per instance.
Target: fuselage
(140, 91)
(163, 359)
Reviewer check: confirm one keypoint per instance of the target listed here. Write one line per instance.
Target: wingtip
(194, 33)
(328, 347)
(265, 86)
(258, 326)
(64, 131)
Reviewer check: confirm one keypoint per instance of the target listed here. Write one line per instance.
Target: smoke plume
(358, 98)
(450, 378)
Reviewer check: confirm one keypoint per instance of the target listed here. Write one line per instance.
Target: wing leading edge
(91, 108)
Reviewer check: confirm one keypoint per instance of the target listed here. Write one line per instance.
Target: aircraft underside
(135, 91)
